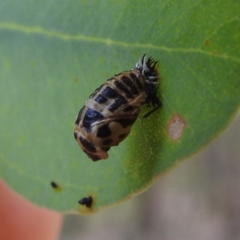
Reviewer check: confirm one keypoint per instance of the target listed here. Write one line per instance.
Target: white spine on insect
(142, 65)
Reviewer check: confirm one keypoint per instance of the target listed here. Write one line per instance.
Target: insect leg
(158, 103)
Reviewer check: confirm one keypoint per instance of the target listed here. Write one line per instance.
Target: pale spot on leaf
(176, 127)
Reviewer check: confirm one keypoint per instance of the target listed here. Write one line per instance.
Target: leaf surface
(55, 53)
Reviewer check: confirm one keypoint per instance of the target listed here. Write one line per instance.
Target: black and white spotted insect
(108, 115)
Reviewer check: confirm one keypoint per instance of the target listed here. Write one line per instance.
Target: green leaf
(55, 53)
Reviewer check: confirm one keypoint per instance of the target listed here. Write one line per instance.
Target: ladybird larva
(108, 115)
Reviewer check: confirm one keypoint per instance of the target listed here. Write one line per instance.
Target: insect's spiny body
(108, 115)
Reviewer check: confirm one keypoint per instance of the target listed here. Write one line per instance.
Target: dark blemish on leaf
(176, 127)
(55, 185)
(86, 204)
(76, 80)
(86, 201)
(207, 42)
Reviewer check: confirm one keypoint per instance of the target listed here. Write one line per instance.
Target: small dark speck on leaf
(207, 42)
(54, 184)
(87, 201)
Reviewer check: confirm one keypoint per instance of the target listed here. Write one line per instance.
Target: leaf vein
(107, 41)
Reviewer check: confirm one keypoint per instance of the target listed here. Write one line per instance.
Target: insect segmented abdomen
(109, 113)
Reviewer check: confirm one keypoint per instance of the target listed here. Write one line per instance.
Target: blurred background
(198, 199)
